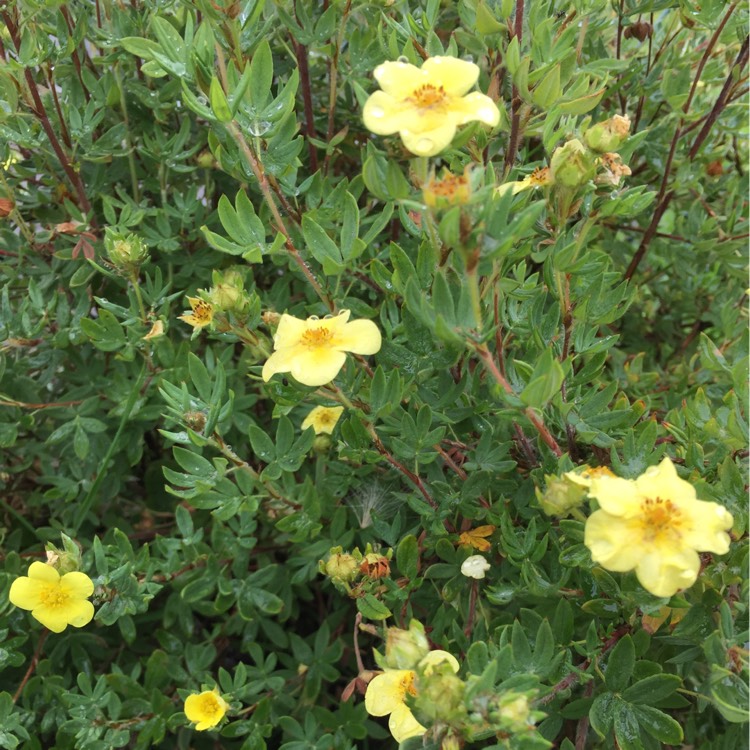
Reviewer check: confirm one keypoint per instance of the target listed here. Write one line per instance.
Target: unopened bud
(341, 566)
(228, 293)
(639, 30)
(608, 135)
(6, 206)
(195, 420)
(572, 165)
(440, 697)
(513, 712)
(126, 252)
(404, 649)
(560, 496)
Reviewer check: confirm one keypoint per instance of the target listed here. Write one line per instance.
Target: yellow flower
(323, 419)
(205, 709)
(540, 177)
(54, 600)
(476, 538)
(312, 350)
(655, 525)
(475, 567)
(202, 313)
(386, 694)
(157, 329)
(585, 475)
(450, 190)
(425, 105)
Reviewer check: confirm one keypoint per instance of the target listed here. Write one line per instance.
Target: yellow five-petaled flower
(323, 419)
(386, 694)
(202, 313)
(313, 350)
(656, 526)
(425, 105)
(205, 709)
(56, 601)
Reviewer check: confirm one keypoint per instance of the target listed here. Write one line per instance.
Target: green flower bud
(126, 252)
(513, 712)
(560, 496)
(440, 697)
(404, 649)
(228, 293)
(340, 566)
(608, 135)
(65, 560)
(572, 165)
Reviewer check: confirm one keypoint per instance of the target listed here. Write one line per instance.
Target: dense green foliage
(160, 149)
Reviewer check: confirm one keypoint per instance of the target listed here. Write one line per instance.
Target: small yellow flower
(202, 313)
(323, 419)
(614, 169)
(450, 190)
(540, 177)
(655, 525)
(386, 694)
(56, 601)
(476, 538)
(313, 350)
(205, 709)
(425, 105)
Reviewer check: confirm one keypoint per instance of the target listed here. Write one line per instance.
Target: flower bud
(404, 649)
(321, 443)
(513, 712)
(341, 566)
(65, 560)
(560, 496)
(228, 293)
(608, 135)
(6, 207)
(126, 252)
(440, 697)
(572, 165)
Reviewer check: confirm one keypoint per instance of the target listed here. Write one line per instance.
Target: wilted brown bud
(6, 206)
(195, 420)
(375, 566)
(639, 30)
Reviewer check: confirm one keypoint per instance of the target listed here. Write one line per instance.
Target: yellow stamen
(316, 337)
(52, 596)
(661, 520)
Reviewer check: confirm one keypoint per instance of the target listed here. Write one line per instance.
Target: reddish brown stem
(515, 122)
(32, 666)
(300, 52)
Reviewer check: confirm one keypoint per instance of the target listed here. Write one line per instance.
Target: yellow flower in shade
(202, 313)
(323, 419)
(450, 190)
(205, 709)
(56, 601)
(386, 694)
(476, 538)
(540, 177)
(656, 526)
(313, 350)
(425, 105)
(585, 475)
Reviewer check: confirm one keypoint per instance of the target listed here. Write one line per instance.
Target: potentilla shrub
(373, 374)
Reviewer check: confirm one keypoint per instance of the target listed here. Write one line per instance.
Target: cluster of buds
(227, 294)
(349, 570)
(126, 252)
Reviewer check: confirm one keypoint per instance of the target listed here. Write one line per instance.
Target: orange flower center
(660, 520)
(203, 312)
(53, 596)
(540, 176)
(313, 338)
(449, 185)
(428, 96)
(407, 685)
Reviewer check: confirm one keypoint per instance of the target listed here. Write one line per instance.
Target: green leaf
(626, 727)
(261, 75)
(407, 557)
(620, 665)
(602, 714)
(322, 247)
(372, 608)
(545, 381)
(659, 725)
(219, 103)
(652, 689)
(548, 90)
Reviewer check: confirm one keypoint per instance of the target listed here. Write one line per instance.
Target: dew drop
(403, 59)
(468, 58)
(377, 112)
(259, 127)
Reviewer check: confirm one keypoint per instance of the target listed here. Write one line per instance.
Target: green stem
(21, 520)
(89, 499)
(473, 278)
(139, 297)
(128, 138)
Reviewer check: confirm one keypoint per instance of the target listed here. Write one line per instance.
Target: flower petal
(289, 332)
(53, 618)
(383, 115)
(403, 724)
(280, 361)
(475, 106)
(438, 657)
(709, 523)
(456, 76)
(662, 481)
(429, 142)
(399, 79)
(193, 707)
(619, 497)
(40, 571)
(612, 542)
(77, 584)
(316, 366)
(358, 337)
(665, 575)
(25, 592)
(385, 693)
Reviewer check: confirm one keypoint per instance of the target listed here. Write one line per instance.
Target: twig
(300, 52)
(472, 609)
(333, 68)
(32, 666)
(515, 122)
